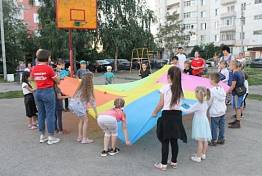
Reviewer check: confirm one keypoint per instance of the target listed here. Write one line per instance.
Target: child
(246, 85)
(108, 122)
(45, 77)
(29, 100)
(59, 108)
(84, 94)
(188, 69)
(237, 81)
(217, 109)
(200, 125)
(144, 72)
(175, 61)
(63, 72)
(169, 125)
(109, 76)
(202, 74)
(81, 70)
(224, 73)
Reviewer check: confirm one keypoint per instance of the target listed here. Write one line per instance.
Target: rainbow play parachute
(141, 98)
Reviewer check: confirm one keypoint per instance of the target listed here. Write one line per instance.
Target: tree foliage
(206, 50)
(171, 34)
(17, 37)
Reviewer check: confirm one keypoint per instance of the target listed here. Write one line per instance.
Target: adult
(228, 57)
(181, 58)
(197, 64)
(242, 59)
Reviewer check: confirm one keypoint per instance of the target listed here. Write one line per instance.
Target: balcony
(225, 2)
(227, 28)
(228, 42)
(171, 3)
(228, 14)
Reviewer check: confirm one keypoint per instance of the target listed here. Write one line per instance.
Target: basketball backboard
(76, 14)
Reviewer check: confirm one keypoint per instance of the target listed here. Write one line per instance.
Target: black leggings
(165, 150)
(245, 100)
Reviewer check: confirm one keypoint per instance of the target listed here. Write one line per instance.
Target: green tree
(206, 51)
(16, 35)
(171, 34)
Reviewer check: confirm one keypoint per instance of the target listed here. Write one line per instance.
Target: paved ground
(21, 154)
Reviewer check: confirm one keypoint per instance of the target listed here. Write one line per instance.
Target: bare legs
(82, 127)
(201, 147)
(107, 140)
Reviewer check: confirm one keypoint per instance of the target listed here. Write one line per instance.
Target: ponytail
(202, 94)
(208, 94)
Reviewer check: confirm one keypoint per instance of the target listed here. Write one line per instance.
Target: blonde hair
(202, 94)
(119, 103)
(86, 88)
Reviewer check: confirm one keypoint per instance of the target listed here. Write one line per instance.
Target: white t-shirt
(246, 85)
(242, 60)
(167, 98)
(181, 60)
(25, 91)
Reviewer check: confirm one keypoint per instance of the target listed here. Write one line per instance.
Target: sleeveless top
(228, 60)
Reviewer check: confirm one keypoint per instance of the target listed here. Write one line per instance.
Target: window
(36, 20)
(190, 26)
(193, 14)
(228, 36)
(203, 2)
(241, 35)
(26, 24)
(25, 7)
(228, 21)
(203, 38)
(160, 10)
(257, 17)
(203, 26)
(216, 0)
(231, 9)
(190, 14)
(216, 38)
(243, 6)
(160, 1)
(244, 21)
(203, 14)
(193, 3)
(259, 32)
(187, 3)
(216, 24)
(160, 21)
(216, 12)
(258, 1)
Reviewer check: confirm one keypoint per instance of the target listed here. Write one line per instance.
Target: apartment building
(28, 14)
(218, 21)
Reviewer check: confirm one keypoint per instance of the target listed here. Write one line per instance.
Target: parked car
(157, 63)
(112, 62)
(210, 62)
(167, 61)
(67, 64)
(99, 66)
(136, 62)
(256, 63)
(123, 64)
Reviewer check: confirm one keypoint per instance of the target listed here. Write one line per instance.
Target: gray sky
(151, 4)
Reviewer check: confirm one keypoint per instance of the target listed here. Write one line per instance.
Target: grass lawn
(254, 76)
(255, 97)
(11, 94)
(3, 81)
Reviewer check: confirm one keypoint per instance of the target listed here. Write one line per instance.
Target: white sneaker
(203, 156)
(52, 140)
(43, 138)
(196, 158)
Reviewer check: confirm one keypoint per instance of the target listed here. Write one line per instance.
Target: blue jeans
(45, 99)
(58, 121)
(220, 123)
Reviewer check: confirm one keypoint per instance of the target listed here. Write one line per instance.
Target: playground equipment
(137, 50)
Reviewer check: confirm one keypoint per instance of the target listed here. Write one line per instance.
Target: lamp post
(3, 39)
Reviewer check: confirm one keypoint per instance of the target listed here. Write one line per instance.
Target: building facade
(218, 21)
(28, 14)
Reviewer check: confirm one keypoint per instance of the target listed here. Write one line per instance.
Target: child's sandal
(160, 166)
(173, 165)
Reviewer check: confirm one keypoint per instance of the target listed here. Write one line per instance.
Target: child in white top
(200, 125)
(246, 85)
(170, 126)
(224, 73)
(29, 100)
(84, 94)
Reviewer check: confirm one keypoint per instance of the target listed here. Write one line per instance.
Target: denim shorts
(237, 101)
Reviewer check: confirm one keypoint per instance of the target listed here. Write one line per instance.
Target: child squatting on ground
(45, 77)
(170, 126)
(200, 125)
(108, 122)
(29, 100)
(217, 109)
(84, 94)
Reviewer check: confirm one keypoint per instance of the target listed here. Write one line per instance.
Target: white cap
(108, 68)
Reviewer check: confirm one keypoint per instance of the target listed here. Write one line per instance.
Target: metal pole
(71, 53)
(3, 39)
(242, 25)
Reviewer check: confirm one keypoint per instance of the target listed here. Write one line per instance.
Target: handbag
(241, 90)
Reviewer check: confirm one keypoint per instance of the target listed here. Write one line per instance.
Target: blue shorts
(237, 101)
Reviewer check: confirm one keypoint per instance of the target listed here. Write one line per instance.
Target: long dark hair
(25, 77)
(174, 74)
